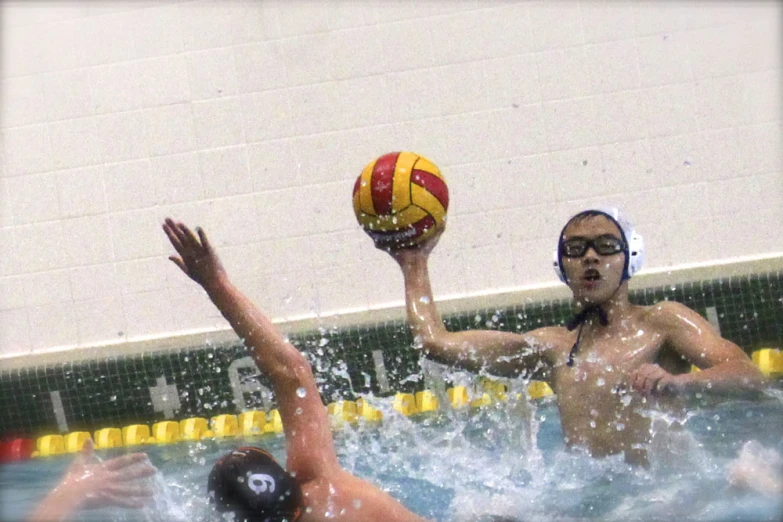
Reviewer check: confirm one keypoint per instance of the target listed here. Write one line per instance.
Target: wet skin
(329, 492)
(640, 359)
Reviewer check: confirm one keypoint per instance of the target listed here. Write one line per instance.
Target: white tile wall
(170, 129)
(213, 73)
(100, 321)
(52, 325)
(177, 178)
(44, 288)
(94, 282)
(87, 240)
(148, 313)
(218, 123)
(12, 294)
(15, 333)
(123, 136)
(27, 150)
(75, 143)
(23, 101)
(163, 80)
(253, 119)
(81, 191)
(33, 198)
(6, 218)
(156, 31)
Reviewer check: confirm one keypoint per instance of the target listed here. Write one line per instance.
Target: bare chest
(604, 359)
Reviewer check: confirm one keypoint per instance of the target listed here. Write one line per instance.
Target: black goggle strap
(575, 347)
(579, 320)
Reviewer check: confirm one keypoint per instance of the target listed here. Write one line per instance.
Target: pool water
(508, 459)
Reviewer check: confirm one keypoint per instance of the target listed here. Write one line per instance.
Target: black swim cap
(250, 483)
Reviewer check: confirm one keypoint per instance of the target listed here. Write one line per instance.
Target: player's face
(593, 258)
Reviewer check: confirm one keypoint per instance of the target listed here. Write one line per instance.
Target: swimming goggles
(605, 245)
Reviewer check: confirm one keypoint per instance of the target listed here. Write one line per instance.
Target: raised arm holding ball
(611, 359)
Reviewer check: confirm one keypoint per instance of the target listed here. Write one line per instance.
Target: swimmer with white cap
(611, 360)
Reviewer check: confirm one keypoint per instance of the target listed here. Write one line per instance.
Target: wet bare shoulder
(666, 315)
(550, 340)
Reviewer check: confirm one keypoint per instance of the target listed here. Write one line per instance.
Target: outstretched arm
(306, 424)
(92, 484)
(724, 366)
(501, 353)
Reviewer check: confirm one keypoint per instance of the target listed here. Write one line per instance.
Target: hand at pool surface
(196, 257)
(757, 468)
(91, 484)
(652, 380)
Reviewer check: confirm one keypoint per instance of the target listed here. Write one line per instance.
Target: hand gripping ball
(400, 199)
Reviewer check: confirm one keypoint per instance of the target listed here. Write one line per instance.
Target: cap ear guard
(635, 253)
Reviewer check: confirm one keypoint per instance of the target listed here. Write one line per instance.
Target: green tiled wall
(116, 392)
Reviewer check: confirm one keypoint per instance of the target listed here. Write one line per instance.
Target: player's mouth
(591, 275)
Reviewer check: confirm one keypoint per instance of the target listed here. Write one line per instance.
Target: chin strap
(579, 320)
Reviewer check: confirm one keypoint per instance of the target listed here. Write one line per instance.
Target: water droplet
(301, 392)
(299, 411)
(240, 479)
(600, 382)
(592, 424)
(424, 299)
(626, 400)
(323, 342)
(620, 426)
(357, 503)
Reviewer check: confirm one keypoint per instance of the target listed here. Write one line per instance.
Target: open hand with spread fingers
(109, 483)
(92, 484)
(196, 256)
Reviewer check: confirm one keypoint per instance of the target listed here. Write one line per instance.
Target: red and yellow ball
(400, 199)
